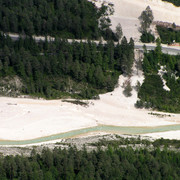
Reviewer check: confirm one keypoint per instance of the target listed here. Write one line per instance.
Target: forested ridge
(60, 69)
(112, 163)
(56, 69)
(68, 19)
(152, 94)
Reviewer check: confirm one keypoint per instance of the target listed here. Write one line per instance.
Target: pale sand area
(22, 119)
(127, 13)
(28, 118)
(165, 135)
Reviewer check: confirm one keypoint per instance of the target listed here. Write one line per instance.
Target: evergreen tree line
(147, 37)
(51, 68)
(146, 18)
(168, 35)
(151, 93)
(113, 163)
(62, 18)
(175, 2)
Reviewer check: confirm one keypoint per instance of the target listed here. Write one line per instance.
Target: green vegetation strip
(101, 128)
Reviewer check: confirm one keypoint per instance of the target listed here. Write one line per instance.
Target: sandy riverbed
(22, 119)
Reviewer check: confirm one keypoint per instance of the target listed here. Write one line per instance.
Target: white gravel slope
(128, 11)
